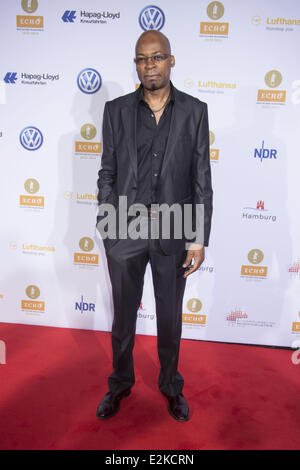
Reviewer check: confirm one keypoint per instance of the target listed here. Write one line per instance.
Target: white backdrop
(242, 59)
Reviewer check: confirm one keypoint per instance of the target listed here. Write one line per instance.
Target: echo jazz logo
(32, 200)
(255, 257)
(89, 81)
(152, 17)
(85, 257)
(194, 305)
(215, 11)
(33, 305)
(88, 132)
(273, 79)
(31, 138)
(214, 153)
(263, 153)
(28, 22)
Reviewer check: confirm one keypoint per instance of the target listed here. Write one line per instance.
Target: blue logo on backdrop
(84, 306)
(31, 138)
(69, 16)
(89, 81)
(10, 77)
(152, 17)
(264, 153)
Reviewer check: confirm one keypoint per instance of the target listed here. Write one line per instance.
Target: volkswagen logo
(151, 17)
(89, 81)
(31, 138)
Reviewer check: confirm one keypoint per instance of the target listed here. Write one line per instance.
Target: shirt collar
(140, 98)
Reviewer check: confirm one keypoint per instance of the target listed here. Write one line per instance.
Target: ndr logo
(84, 306)
(89, 80)
(31, 138)
(264, 153)
(152, 17)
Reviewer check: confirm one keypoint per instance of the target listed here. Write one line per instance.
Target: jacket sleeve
(108, 171)
(202, 186)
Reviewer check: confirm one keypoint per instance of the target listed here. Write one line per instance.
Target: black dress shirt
(151, 145)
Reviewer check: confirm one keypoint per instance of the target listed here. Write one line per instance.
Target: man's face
(153, 75)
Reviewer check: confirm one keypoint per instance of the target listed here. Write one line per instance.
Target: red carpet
(240, 397)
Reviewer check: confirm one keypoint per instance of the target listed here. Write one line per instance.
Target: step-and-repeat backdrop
(60, 62)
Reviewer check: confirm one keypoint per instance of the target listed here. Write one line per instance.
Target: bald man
(155, 151)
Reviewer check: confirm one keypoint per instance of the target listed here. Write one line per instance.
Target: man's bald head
(153, 36)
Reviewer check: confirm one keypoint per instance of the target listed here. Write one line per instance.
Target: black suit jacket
(185, 173)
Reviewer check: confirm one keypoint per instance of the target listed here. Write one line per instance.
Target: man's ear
(172, 61)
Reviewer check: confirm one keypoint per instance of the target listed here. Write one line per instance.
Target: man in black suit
(155, 151)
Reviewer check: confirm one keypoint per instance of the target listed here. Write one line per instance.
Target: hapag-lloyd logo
(95, 17)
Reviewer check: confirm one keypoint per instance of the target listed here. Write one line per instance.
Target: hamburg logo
(152, 17)
(89, 81)
(31, 138)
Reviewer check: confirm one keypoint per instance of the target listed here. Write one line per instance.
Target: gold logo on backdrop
(32, 186)
(194, 305)
(88, 131)
(86, 244)
(214, 153)
(30, 6)
(33, 305)
(215, 10)
(188, 82)
(256, 20)
(68, 194)
(33, 292)
(273, 78)
(255, 256)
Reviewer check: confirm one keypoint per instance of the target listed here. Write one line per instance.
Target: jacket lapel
(129, 116)
(177, 119)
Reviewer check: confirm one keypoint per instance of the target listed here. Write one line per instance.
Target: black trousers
(127, 261)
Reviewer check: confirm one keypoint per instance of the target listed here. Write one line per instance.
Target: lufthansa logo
(31, 138)
(89, 81)
(152, 17)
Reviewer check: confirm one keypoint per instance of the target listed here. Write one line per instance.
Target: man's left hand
(197, 253)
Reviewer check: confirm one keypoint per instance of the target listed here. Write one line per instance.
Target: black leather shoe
(110, 404)
(178, 407)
